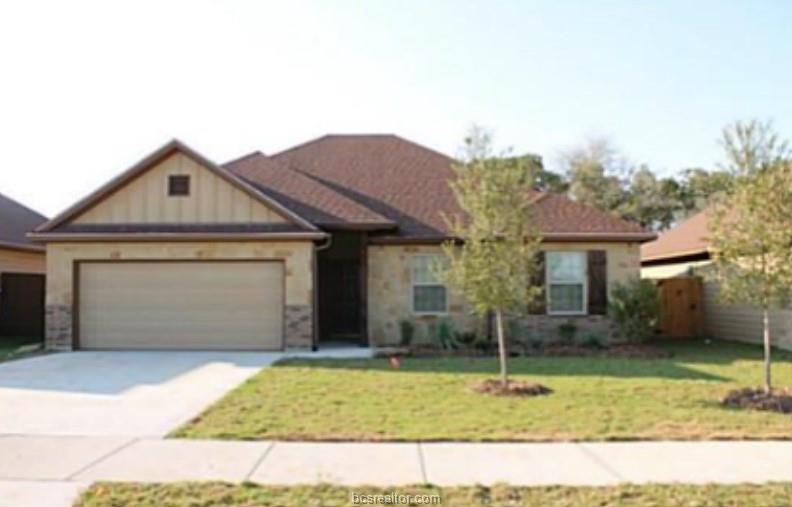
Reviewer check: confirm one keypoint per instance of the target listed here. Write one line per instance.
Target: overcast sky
(88, 88)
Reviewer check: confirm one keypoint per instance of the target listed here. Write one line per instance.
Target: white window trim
(548, 283)
(414, 284)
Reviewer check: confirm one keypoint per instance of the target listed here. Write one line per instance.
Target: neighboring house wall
(737, 322)
(298, 257)
(211, 199)
(18, 261)
(662, 271)
(742, 322)
(390, 291)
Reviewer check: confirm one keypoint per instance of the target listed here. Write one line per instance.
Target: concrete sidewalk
(69, 463)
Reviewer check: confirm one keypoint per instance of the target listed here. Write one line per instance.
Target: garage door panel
(171, 305)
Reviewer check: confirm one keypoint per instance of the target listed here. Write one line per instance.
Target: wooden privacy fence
(681, 307)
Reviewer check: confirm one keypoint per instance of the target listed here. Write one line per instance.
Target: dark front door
(340, 300)
(22, 305)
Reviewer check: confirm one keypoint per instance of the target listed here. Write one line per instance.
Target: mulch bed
(758, 399)
(618, 350)
(513, 388)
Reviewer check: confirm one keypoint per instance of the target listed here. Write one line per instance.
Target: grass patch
(9, 346)
(593, 398)
(248, 495)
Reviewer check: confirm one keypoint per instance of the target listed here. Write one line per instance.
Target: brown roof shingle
(302, 194)
(690, 237)
(408, 184)
(16, 221)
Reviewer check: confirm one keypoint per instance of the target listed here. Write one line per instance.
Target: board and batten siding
(145, 200)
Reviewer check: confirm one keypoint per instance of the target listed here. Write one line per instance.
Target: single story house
(685, 251)
(22, 267)
(326, 242)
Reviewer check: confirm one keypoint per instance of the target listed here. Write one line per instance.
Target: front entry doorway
(341, 291)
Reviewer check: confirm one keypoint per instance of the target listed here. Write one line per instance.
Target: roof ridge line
(244, 157)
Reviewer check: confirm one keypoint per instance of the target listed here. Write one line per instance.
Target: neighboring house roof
(690, 237)
(16, 221)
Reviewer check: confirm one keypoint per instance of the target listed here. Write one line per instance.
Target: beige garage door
(181, 305)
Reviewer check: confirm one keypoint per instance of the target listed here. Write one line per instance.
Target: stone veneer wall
(389, 288)
(298, 257)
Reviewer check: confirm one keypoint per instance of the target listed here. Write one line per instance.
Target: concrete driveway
(134, 394)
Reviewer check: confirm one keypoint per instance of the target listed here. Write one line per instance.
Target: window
(178, 185)
(428, 294)
(566, 276)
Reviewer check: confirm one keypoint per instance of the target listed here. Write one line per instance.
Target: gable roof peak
(174, 145)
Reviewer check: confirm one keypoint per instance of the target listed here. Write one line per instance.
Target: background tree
(654, 203)
(596, 174)
(495, 262)
(752, 226)
(699, 187)
(544, 179)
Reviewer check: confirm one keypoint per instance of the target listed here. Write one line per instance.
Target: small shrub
(442, 334)
(634, 308)
(482, 343)
(593, 341)
(465, 338)
(407, 330)
(567, 332)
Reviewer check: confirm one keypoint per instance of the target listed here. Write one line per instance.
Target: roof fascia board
(170, 236)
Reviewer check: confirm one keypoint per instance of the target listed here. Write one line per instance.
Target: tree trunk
(501, 348)
(766, 326)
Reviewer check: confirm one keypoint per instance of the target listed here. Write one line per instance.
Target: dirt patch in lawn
(758, 399)
(512, 388)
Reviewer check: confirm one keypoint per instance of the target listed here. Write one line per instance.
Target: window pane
(422, 266)
(429, 298)
(566, 266)
(566, 298)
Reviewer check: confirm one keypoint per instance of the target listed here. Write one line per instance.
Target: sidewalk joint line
(601, 462)
(105, 456)
(422, 463)
(259, 461)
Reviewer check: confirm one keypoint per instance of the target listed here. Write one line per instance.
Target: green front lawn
(430, 399)
(248, 495)
(10, 345)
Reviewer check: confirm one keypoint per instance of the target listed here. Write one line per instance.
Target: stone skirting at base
(58, 323)
(545, 327)
(299, 326)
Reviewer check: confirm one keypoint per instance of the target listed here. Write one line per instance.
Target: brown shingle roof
(16, 221)
(408, 184)
(304, 195)
(690, 237)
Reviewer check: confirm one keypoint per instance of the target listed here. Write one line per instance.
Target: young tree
(751, 230)
(495, 258)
